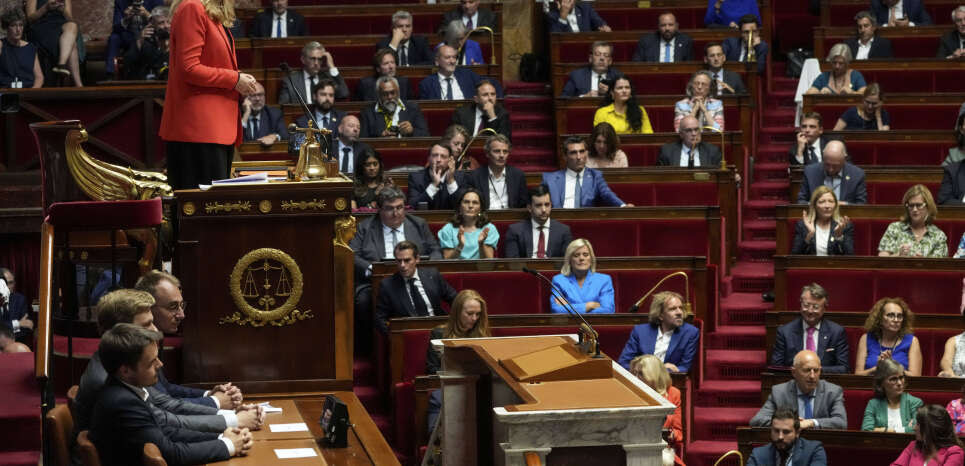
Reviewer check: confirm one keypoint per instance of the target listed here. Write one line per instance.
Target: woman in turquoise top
(584, 289)
(469, 235)
(892, 409)
(841, 79)
(889, 336)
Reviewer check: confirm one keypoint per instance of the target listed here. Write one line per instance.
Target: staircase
(735, 353)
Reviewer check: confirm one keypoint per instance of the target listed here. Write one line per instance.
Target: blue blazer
(587, 19)
(596, 193)
(832, 347)
(806, 453)
(473, 52)
(732, 50)
(430, 89)
(914, 11)
(681, 352)
(579, 80)
(189, 394)
(596, 287)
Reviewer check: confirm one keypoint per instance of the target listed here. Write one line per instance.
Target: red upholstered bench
(623, 19)
(20, 410)
(868, 232)
(843, 11)
(922, 116)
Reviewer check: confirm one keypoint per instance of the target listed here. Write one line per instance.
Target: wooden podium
(503, 397)
(267, 274)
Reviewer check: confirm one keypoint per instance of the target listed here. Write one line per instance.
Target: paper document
(267, 408)
(256, 178)
(293, 427)
(288, 453)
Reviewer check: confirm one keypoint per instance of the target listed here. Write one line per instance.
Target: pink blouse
(948, 456)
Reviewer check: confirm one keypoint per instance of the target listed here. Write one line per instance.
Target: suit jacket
(880, 47)
(202, 103)
(853, 189)
(333, 123)
(420, 180)
(708, 153)
(952, 189)
(844, 247)
(580, 79)
(286, 96)
(466, 116)
(369, 245)
(804, 453)
(419, 51)
(596, 193)
(519, 239)
(485, 17)
(373, 124)
(649, 49)
(832, 346)
(587, 19)
(366, 88)
(431, 89)
(189, 394)
(270, 121)
(681, 352)
(122, 423)
(515, 185)
(264, 24)
(948, 44)
(828, 405)
(876, 412)
(357, 148)
(394, 296)
(15, 309)
(732, 50)
(792, 151)
(914, 11)
(733, 80)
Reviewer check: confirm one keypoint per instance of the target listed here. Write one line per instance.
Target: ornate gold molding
(340, 203)
(215, 207)
(264, 206)
(313, 204)
(260, 279)
(344, 230)
(189, 208)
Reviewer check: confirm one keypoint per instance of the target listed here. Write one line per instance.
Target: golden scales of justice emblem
(266, 285)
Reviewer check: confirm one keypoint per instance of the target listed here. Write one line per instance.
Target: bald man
(689, 151)
(346, 146)
(835, 172)
(819, 404)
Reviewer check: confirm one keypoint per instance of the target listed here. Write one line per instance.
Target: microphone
(558, 294)
(311, 115)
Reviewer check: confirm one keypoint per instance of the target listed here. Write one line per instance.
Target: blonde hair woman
(650, 371)
(822, 231)
(582, 287)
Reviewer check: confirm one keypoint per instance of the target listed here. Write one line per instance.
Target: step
(757, 251)
(775, 190)
(743, 309)
(384, 423)
(522, 88)
(752, 277)
(706, 452)
(363, 372)
(760, 230)
(771, 170)
(372, 399)
(760, 209)
(732, 393)
(533, 139)
(776, 116)
(720, 423)
(735, 337)
(780, 134)
(517, 105)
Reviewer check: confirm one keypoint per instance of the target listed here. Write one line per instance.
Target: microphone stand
(492, 42)
(308, 113)
(687, 307)
(592, 337)
(465, 150)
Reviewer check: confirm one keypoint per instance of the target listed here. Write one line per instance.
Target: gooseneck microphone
(308, 113)
(558, 294)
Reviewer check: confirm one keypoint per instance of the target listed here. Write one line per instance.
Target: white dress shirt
(595, 79)
(391, 240)
(571, 20)
(546, 237)
(685, 156)
(451, 188)
(498, 195)
(821, 236)
(663, 50)
(284, 24)
(569, 196)
(333, 72)
(817, 330)
(422, 293)
(863, 49)
(456, 91)
(662, 344)
(479, 120)
(899, 13)
(341, 154)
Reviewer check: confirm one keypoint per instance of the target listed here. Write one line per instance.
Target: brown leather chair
(87, 450)
(152, 456)
(60, 427)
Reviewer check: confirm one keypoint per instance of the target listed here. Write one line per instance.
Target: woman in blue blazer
(667, 314)
(582, 287)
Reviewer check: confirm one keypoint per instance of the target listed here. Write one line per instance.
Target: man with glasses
(689, 151)
(391, 116)
(844, 179)
(728, 82)
(259, 122)
(594, 79)
(820, 404)
(952, 44)
(435, 187)
(316, 64)
(813, 332)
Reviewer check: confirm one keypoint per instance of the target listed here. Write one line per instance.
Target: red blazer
(201, 104)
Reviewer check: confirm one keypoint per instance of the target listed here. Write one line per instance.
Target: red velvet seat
(868, 232)
(902, 116)
(925, 291)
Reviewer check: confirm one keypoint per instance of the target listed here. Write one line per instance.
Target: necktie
(690, 158)
(346, 151)
(417, 301)
(810, 157)
(808, 409)
(278, 27)
(448, 88)
(403, 55)
(469, 24)
(541, 244)
(810, 343)
(578, 192)
(325, 122)
(666, 53)
(254, 128)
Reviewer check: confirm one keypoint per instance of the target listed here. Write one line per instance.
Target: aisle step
(774, 190)
(706, 452)
(745, 308)
(763, 230)
(757, 209)
(721, 423)
(757, 251)
(531, 122)
(752, 277)
(737, 393)
(770, 170)
(734, 337)
(734, 364)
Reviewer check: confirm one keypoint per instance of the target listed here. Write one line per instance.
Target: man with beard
(437, 184)
(736, 47)
(346, 146)
(392, 116)
(786, 447)
(385, 63)
(323, 107)
(317, 63)
(728, 82)
(484, 112)
(260, 122)
(666, 44)
(540, 236)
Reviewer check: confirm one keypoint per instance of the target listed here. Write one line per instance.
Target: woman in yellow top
(620, 109)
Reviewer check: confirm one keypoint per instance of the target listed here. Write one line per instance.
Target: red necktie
(541, 244)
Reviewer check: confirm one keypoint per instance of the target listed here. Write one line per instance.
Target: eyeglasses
(916, 205)
(175, 306)
(894, 316)
(811, 306)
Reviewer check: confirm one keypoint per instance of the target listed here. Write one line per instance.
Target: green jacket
(876, 413)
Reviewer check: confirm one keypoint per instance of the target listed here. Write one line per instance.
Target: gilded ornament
(313, 204)
(189, 208)
(102, 181)
(266, 285)
(215, 207)
(344, 230)
(264, 206)
(340, 203)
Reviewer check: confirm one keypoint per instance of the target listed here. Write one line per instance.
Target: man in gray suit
(819, 404)
(317, 63)
(835, 172)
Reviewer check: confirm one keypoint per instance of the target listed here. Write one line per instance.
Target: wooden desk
(264, 453)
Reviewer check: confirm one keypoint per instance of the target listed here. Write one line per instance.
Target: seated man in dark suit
(787, 447)
(122, 418)
(666, 336)
(279, 22)
(593, 80)
(411, 50)
(577, 185)
(323, 107)
(820, 404)
(810, 141)
(14, 310)
(435, 186)
(867, 44)
(909, 13)
(451, 82)
(385, 64)
(689, 151)
(346, 146)
(471, 15)
(484, 112)
(502, 186)
(391, 116)
(317, 63)
(728, 82)
(736, 48)
(413, 291)
(530, 238)
(813, 332)
(574, 16)
(260, 122)
(952, 189)
(666, 44)
(845, 179)
(952, 43)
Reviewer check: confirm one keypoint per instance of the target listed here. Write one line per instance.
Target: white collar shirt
(662, 344)
(342, 154)
(456, 91)
(391, 237)
(571, 20)
(804, 332)
(685, 156)
(863, 49)
(422, 293)
(546, 237)
(663, 50)
(275, 18)
(569, 196)
(498, 194)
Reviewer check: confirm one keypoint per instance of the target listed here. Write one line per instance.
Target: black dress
(17, 62)
(45, 32)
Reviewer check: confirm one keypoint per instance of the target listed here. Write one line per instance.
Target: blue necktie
(278, 27)
(448, 89)
(578, 192)
(808, 409)
(666, 53)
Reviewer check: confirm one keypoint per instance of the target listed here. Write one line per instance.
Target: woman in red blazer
(200, 123)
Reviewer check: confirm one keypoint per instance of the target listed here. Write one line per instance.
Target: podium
(268, 277)
(504, 397)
